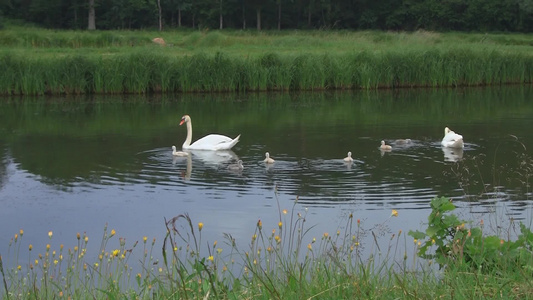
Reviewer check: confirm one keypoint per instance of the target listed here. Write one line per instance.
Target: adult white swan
(209, 142)
(452, 139)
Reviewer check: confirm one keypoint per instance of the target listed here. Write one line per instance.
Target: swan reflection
(452, 154)
(188, 169)
(214, 157)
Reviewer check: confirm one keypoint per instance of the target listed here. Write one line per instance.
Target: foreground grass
(38, 62)
(284, 263)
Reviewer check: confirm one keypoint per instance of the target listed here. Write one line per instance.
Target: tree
(92, 16)
(159, 13)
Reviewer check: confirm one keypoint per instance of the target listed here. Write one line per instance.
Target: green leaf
(417, 234)
(432, 231)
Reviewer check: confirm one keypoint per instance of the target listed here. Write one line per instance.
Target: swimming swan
(452, 139)
(209, 142)
(268, 160)
(385, 147)
(178, 153)
(349, 157)
(402, 141)
(236, 167)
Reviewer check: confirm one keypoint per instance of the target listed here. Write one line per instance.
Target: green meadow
(40, 61)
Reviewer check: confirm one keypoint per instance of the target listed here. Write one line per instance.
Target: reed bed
(155, 72)
(38, 61)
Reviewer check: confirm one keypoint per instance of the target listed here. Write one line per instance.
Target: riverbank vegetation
(45, 62)
(452, 258)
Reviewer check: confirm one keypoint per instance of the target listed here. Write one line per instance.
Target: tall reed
(143, 71)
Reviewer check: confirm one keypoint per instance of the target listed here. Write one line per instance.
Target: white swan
(385, 147)
(452, 139)
(236, 167)
(178, 153)
(209, 142)
(268, 160)
(349, 157)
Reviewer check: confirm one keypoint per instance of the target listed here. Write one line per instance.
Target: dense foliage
(472, 15)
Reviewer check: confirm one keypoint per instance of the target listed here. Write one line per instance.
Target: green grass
(39, 61)
(281, 261)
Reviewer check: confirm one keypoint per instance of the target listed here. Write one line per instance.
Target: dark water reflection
(73, 164)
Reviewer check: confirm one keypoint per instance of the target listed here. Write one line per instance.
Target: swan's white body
(212, 142)
(236, 167)
(178, 153)
(267, 159)
(452, 139)
(385, 147)
(349, 157)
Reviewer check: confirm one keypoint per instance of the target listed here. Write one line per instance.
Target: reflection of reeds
(504, 172)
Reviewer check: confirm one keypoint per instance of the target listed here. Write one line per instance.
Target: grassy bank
(38, 62)
(282, 261)
(146, 72)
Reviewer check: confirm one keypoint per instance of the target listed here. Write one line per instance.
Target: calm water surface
(72, 165)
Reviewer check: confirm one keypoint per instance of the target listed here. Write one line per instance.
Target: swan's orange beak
(182, 121)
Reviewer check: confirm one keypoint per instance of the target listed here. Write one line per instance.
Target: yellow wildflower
(394, 213)
(211, 258)
(50, 233)
(145, 239)
(309, 247)
(113, 232)
(285, 211)
(116, 252)
(200, 226)
(30, 247)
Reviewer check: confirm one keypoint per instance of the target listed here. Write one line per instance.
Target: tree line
(438, 15)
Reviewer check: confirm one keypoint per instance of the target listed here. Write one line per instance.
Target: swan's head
(173, 148)
(185, 119)
(382, 142)
(446, 130)
(267, 155)
(349, 154)
(239, 162)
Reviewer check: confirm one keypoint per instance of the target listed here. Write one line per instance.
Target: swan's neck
(188, 140)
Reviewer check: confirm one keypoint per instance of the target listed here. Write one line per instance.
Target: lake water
(71, 165)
